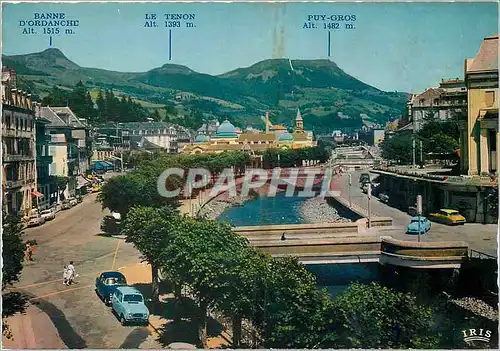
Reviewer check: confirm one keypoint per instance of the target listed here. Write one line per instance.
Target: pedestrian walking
(71, 273)
(65, 275)
(29, 251)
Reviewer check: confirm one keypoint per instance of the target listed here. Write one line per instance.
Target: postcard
(273, 175)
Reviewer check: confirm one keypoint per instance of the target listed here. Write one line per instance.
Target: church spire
(299, 122)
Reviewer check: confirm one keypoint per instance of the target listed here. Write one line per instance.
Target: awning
(37, 194)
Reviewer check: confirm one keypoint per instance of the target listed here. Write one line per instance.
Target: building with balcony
(19, 187)
(45, 183)
(164, 136)
(443, 102)
(70, 146)
(479, 132)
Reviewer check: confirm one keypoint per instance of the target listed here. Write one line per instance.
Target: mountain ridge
(319, 86)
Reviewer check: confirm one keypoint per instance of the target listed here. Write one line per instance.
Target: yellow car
(96, 188)
(447, 216)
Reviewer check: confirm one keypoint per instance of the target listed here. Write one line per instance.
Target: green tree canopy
(373, 316)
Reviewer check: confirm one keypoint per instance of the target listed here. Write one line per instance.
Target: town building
(70, 147)
(479, 131)
(441, 103)
(19, 187)
(227, 138)
(372, 137)
(158, 135)
(45, 183)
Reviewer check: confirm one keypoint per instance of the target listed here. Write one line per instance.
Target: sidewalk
(32, 330)
(141, 274)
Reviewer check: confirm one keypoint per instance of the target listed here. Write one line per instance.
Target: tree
(398, 148)
(291, 312)
(13, 250)
(61, 183)
(149, 230)
(372, 316)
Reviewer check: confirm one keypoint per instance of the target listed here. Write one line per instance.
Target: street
(480, 237)
(79, 316)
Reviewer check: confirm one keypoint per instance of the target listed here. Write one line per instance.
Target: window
(489, 98)
(132, 298)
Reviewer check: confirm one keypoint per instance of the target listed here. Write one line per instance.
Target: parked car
(66, 205)
(364, 178)
(48, 214)
(415, 227)
(128, 304)
(96, 188)
(35, 219)
(447, 216)
(79, 198)
(73, 201)
(110, 225)
(384, 198)
(107, 282)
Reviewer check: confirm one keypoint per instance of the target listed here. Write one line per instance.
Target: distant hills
(328, 97)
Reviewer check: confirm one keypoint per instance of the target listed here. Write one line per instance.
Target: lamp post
(413, 149)
(419, 213)
(421, 158)
(349, 189)
(369, 205)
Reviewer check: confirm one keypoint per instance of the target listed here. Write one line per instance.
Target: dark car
(364, 178)
(110, 225)
(106, 283)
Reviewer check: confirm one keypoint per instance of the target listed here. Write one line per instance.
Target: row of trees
(140, 186)
(437, 136)
(278, 297)
(13, 250)
(107, 107)
(219, 271)
(293, 157)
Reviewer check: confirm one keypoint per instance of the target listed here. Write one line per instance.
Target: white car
(48, 214)
(73, 201)
(35, 220)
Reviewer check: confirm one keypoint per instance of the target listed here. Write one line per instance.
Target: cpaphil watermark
(476, 335)
(302, 182)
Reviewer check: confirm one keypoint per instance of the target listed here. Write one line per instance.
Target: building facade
(441, 103)
(69, 147)
(45, 183)
(227, 138)
(479, 132)
(19, 186)
(163, 135)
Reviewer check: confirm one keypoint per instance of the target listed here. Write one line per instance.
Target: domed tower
(226, 131)
(299, 123)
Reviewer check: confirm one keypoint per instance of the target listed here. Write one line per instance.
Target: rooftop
(487, 57)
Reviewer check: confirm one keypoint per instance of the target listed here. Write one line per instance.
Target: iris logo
(476, 335)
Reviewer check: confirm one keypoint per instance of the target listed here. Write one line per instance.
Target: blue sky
(395, 46)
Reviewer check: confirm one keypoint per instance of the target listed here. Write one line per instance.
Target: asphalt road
(80, 317)
(481, 237)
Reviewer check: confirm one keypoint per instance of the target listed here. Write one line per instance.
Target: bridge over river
(340, 243)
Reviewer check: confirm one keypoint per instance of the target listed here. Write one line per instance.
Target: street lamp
(419, 213)
(349, 189)
(369, 205)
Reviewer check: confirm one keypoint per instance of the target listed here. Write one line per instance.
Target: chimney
(267, 122)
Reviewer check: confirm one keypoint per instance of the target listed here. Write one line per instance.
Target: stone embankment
(217, 206)
(317, 210)
(477, 307)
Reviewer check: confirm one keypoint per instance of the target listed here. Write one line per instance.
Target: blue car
(128, 304)
(413, 227)
(106, 283)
